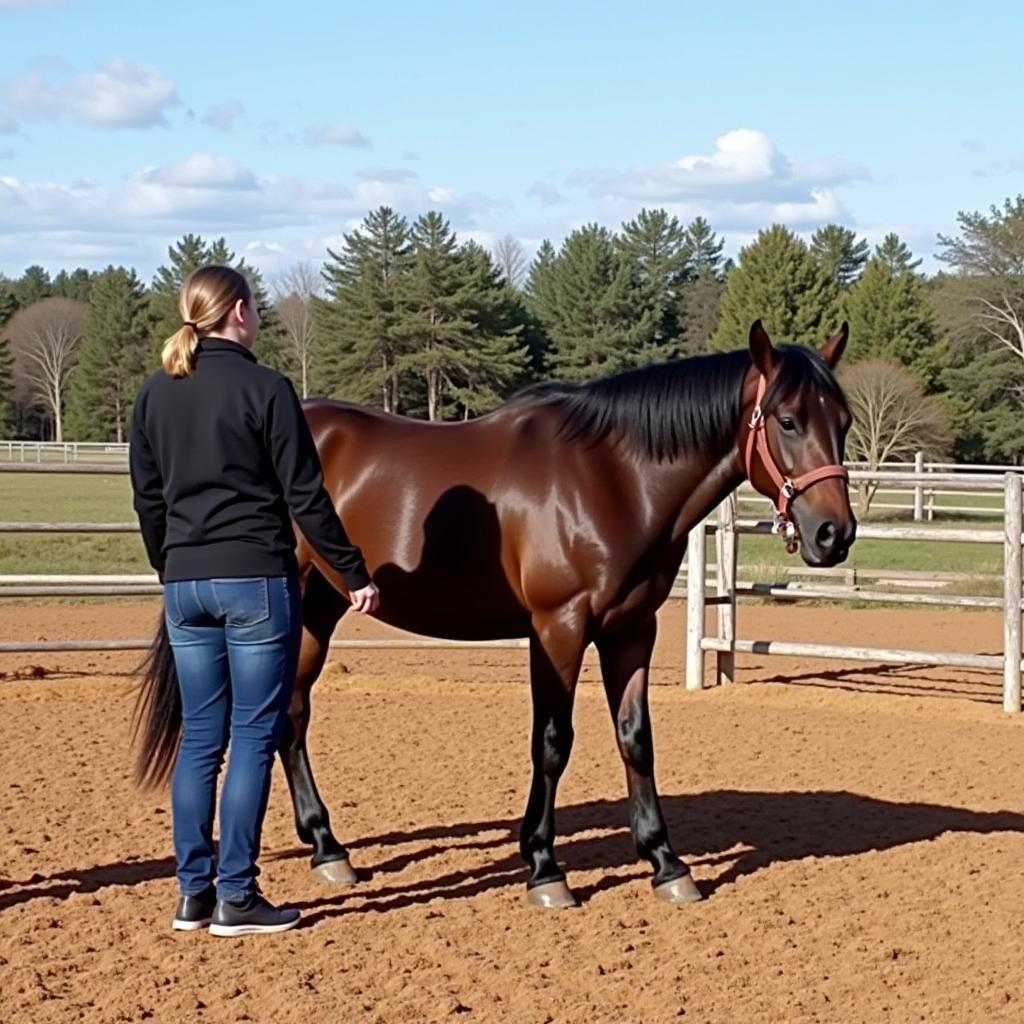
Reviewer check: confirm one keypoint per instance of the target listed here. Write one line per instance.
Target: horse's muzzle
(828, 543)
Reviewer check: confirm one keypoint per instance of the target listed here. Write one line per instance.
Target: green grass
(57, 498)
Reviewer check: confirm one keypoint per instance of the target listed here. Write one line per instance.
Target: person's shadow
(707, 828)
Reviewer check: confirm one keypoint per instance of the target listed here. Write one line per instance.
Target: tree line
(405, 316)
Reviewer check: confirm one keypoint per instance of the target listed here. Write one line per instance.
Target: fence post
(696, 567)
(918, 488)
(1013, 517)
(725, 586)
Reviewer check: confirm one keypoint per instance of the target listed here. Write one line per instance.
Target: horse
(562, 517)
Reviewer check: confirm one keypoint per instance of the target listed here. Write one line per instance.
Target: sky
(280, 125)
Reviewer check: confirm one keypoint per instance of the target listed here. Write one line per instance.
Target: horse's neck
(689, 489)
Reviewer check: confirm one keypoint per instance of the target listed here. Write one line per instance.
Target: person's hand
(366, 599)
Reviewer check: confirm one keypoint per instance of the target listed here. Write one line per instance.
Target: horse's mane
(678, 407)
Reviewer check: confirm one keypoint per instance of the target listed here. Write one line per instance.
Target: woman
(221, 461)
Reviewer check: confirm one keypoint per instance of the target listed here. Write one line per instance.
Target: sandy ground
(858, 833)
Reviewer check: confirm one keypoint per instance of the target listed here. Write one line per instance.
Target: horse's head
(795, 421)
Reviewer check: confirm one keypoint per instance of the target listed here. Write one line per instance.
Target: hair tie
(192, 324)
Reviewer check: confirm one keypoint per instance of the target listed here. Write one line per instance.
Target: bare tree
(892, 419)
(511, 259)
(303, 279)
(295, 290)
(44, 341)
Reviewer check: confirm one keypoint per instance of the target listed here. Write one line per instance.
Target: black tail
(156, 724)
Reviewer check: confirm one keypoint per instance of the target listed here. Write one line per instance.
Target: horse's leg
(625, 664)
(322, 608)
(556, 652)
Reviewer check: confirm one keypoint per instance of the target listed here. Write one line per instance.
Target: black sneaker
(195, 912)
(250, 915)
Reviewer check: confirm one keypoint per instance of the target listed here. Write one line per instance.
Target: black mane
(683, 406)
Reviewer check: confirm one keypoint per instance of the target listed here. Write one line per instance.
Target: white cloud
(200, 171)
(135, 219)
(118, 94)
(336, 135)
(548, 194)
(8, 126)
(7, 154)
(745, 183)
(222, 116)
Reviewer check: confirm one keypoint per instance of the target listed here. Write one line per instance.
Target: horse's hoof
(679, 890)
(336, 872)
(551, 896)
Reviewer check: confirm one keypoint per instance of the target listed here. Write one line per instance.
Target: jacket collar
(222, 346)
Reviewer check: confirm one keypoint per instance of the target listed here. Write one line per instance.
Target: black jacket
(218, 461)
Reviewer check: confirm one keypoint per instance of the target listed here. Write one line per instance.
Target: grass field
(58, 498)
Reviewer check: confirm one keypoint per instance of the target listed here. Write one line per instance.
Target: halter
(789, 488)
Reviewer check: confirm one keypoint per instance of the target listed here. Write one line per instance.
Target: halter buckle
(788, 490)
(756, 416)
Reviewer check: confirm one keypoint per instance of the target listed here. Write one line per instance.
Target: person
(221, 459)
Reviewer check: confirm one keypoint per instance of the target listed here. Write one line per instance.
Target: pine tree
(590, 307)
(8, 307)
(33, 286)
(111, 361)
(890, 315)
(539, 292)
(893, 252)
(779, 283)
(440, 306)
(982, 394)
(358, 353)
(703, 247)
(497, 361)
(700, 298)
(75, 285)
(700, 310)
(839, 253)
(655, 245)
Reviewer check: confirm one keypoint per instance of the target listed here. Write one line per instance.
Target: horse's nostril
(826, 535)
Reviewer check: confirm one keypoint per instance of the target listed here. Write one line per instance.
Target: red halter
(789, 488)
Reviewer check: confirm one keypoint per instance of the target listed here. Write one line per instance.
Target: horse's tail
(156, 724)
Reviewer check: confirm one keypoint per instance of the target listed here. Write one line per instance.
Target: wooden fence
(728, 589)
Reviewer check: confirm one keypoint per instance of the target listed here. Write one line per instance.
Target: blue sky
(281, 125)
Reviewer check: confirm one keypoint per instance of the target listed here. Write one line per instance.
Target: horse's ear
(762, 351)
(832, 350)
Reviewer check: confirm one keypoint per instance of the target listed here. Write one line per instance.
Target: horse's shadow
(747, 831)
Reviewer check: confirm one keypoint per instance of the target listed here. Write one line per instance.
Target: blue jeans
(236, 648)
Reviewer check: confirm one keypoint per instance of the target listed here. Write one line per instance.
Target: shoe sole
(231, 930)
(189, 926)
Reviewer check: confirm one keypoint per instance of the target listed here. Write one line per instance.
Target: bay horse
(561, 517)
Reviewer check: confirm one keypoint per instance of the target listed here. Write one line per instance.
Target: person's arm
(298, 469)
(147, 493)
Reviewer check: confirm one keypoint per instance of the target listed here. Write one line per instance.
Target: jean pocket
(172, 605)
(243, 602)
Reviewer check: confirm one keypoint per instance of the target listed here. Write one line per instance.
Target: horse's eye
(787, 423)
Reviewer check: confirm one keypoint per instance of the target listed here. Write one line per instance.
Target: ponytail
(179, 352)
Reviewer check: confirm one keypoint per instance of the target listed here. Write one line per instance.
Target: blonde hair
(207, 297)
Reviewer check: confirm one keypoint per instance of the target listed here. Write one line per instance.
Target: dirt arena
(859, 834)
